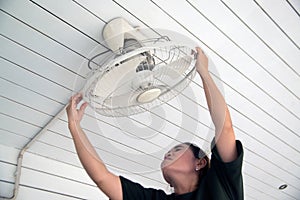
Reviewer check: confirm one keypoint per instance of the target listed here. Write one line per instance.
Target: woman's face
(179, 159)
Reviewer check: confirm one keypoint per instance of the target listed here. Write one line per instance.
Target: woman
(185, 167)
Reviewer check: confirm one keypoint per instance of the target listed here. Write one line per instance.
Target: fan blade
(130, 98)
(175, 69)
(123, 100)
(117, 76)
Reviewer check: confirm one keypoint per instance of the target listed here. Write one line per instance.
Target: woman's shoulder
(135, 191)
(215, 154)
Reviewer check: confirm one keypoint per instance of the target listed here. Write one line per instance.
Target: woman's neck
(185, 185)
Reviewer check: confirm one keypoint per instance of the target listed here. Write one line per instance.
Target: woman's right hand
(75, 115)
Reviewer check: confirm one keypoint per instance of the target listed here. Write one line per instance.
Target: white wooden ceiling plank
(126, 137)
(252, 110)
(91, 124)
(130, 138)
(9, 154)
(107, 157)
(29, 193)
(295, 4)
(54, 167)
(251, 14)
(255, 194)
(250, 129)
(93, 131)
(7, 172)
(23, 113)
(266, 149)
(284, 16)
(267, 189)
(23, 34)
(55, 153)
(63, 154)
(131, 127)
(58, 154)
(115, 10)
(283, 104)
(118, 134)
(105, 143)
(262, 189)
(58, 141)
(267, 164)
(266, 152)
(292, 176)
(251, 193)
(6, 189)
(270, 179)
(138, 165)
(237, 31)
(27, 97)
(17, 126)
(75, 15)
(198, 91)
(20, 76)
(56, 184)
(12, 140)
(39, 65)
(240, 60)
(49, 25)
(265, 143)
(8, 166)
(291, 191)
(147, 162)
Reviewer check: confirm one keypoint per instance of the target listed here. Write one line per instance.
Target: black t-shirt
(222, 182)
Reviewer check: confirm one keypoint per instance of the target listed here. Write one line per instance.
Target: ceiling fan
(144, 69)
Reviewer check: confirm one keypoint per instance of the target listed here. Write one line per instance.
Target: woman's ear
(201, 163)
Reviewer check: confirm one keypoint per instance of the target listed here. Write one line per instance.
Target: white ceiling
(45, 46)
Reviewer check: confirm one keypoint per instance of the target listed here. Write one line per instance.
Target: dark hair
(199, 153)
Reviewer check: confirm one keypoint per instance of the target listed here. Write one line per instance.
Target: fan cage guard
(164, 52)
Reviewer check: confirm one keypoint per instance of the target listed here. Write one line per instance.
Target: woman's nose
(168, 154)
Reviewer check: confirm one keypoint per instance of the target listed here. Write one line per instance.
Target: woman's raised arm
(224, 133)
(107, 182)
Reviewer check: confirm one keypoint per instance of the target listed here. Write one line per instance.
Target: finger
(199, 50)
(77, 96)
(72, 103)
(75, 99)
(83, 107)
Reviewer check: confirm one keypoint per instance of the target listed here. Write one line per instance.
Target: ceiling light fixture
(283, 186)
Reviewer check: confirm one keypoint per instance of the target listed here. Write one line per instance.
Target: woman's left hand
(202, 61)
